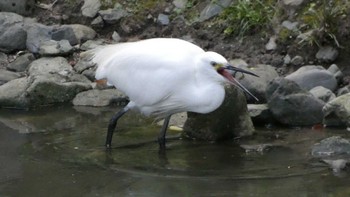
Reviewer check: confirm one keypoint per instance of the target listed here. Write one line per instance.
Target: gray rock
(213, 9)
(337, 111)
(12, 33)
(257, 85)
(327, 54)
(36, 34)
(334, 151)
(116, 37)
(180, 4)
(6, 76)
(97, 22)
(74, 33)
(297, 60)
(53, 88)
(90, 8)
(257, 148)
(98, 98)
(337, 73)
(22, 7)
(343, 90)
(21, 63)
(55, 48)
(229, 120)
(271, 45)
(113, 16)
(83, 65)
(293, 26)
(260, 114)
(48, 65)
(292, 2)
(12, 94)
(308, 77)
(291, 105)
(287, 59)
(3, 60)
(163, 19)
(91, 44)
(322, 93)
(332, 146)
(177, 120)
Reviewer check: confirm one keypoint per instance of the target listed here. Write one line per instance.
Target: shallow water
(58, 151)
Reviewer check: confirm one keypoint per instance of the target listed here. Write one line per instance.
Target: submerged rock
(332, 146)
(229, 120)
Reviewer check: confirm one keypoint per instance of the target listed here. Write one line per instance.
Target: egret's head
(220, 64)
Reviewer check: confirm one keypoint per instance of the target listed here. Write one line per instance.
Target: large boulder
(337, 111)
(292, 105)
(229, 120)
(308, 77)
(37, 34)
(257, 85)
(12, 32)
(50, 80)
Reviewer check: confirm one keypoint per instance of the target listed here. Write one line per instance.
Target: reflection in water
(58, 151)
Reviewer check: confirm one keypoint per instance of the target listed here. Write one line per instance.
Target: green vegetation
(248, 16)
(321, 21)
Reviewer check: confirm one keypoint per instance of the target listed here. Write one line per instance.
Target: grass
(248, 16)
(321, 18)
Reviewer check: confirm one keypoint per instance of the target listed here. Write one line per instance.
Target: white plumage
(163, 76)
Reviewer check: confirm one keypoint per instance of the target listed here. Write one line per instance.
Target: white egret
(164, 76)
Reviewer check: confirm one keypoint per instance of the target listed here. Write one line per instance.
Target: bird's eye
(213, 63)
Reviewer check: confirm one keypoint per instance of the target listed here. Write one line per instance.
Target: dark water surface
(58, 151)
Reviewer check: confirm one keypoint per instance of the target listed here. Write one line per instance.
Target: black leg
(112, 124)
(161, 137)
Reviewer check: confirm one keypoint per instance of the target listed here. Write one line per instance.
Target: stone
(297, 60)
(12, 94)
(74, 33)
(55, 48)
(257, 85)
(163, 19)
(337, 73)
(90, 8)
(22, 7)
(53, 88)
(97, 22)
(99, 98)
(21, 63)
(322, 93)
(116, 37)
(48, 65)
(271, 45)
(37, 34)
(91, 44)
(337, 111)
(292, 105)
(260, 114)
(293, 2)
(327, 54)
(180, 4)
(112, 16)
(230, 120)
(332, 146)
(213, 9)
(12, 33)
(293, 26)
(6, 76)
(308, 77)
